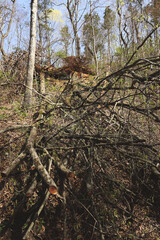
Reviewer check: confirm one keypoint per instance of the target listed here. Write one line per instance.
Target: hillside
(83, 162)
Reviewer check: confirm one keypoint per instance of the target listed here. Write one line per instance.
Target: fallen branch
(13, 165)
(36, 160)
(60, 165)
(14, 128)
(40, 208)
(32, 187)
(36, 215)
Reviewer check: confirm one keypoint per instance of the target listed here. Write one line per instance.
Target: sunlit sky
(23, 7)
(23, 3)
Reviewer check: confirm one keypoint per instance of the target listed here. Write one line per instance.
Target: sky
(24, 14)
(23, 3)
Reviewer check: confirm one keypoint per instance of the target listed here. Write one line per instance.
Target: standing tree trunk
(72, 7)
(119, 12)
(109, 52)
(94, 40)
(31, 59)
(42, 83)
(4, 35)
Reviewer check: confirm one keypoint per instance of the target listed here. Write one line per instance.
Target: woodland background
(80, 120)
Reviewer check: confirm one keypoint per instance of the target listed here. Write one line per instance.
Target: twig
(58, 163)
(65, 217)
(83, 206)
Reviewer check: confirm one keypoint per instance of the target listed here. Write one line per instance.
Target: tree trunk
(31, 60)
(94, 40)
(77, 46)
(42, 83)
(4, 35)
(73, 15)
(109, 53)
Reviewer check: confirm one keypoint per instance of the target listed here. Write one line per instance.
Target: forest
(79, 120)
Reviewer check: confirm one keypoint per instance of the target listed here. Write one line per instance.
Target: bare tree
(94, 38)
(3, 21)
(73, 7)
(31, 60)
(109, 20)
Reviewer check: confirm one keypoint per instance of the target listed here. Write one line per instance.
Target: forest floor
(121, 202)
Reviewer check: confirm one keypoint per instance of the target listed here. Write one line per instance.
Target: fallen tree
(97, 156)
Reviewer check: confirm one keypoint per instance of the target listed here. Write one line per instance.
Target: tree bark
(42, 83)
(36, 160)
(13, 165)
(31, 60)
(73, 15)
(94, 39)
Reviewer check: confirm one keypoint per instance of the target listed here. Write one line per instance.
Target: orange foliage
(77, 64)
(72, 64)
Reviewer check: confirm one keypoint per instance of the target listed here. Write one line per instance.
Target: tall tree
(129, 17)
(119, 9)
(92, 36)
(134, 14)
(73, 10)
(109, 20)
(45, 30)
(153, 9)
(65, 38)
(3, 20)
(31, 59)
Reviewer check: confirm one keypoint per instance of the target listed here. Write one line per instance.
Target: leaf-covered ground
(99, 141)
